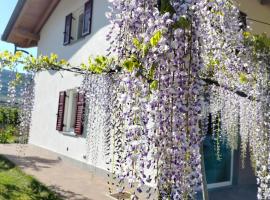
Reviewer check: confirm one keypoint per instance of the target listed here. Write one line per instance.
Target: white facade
(43, 131)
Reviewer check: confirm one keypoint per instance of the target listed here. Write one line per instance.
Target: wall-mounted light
(21, 50)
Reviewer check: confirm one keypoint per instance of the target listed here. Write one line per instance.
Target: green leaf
(53, 58)
(156, 38)
(243, 78)
(100, 60)
(137, 43)
(18, 76)
(246, 34)
(83, 66)
(166, 7)
(128, 65)
(145, 49)
(154, 85)
(182, 23)
(218, 13)
(152, 72)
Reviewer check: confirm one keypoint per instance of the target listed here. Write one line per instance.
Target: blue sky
(6, 9)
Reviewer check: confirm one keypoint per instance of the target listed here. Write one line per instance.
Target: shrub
(9, 116)
(4, 137)
(7, 135)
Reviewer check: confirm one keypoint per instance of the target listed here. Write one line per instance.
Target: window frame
(70, 111)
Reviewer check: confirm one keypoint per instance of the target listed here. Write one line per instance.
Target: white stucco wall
(48, 85)
(51, 37)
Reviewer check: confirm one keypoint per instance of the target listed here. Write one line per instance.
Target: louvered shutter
(78, 127)
(68, 26)
(61, 111)
(87, 18)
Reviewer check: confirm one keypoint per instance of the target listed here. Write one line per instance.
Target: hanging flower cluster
(259, 139)
(97, 98)
(161, 95)
(26, 106)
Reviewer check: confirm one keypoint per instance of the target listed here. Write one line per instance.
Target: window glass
(87, 17)
(70, 110)
(76, 25)
(217, 167)
(217, 156)
(80, 26)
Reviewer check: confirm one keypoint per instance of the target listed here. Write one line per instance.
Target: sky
(6, 9)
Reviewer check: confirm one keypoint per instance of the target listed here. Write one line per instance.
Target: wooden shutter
(79, 119)
(68, 26)
(61, 111)
(87, 18)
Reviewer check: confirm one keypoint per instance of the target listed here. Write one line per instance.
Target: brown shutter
(61, 111)
(78, 127)
(87, 18)
(67, 32)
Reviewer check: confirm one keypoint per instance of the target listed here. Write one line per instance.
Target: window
(78, 23)
(218, 171)
(218, 166)
(70, 112)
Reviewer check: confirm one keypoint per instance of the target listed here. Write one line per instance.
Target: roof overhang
(27, 20)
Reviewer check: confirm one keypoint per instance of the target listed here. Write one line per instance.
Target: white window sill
(69, 133)
(74, 41)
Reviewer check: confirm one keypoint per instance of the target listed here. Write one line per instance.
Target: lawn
(16, 185)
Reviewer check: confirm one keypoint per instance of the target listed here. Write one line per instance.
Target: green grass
(16, 185)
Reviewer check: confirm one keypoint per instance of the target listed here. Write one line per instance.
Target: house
(75, 30)
(57, 26)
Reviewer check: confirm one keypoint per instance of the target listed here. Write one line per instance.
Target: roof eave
(13, 19)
